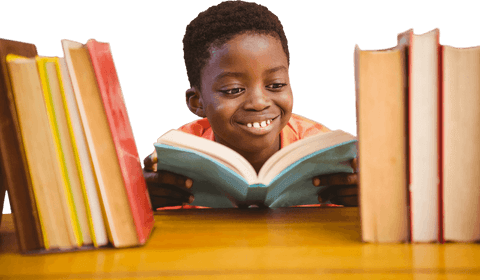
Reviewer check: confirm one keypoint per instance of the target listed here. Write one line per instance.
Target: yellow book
(82, 157)
(42, 161)
(71, 194)
(70, 150)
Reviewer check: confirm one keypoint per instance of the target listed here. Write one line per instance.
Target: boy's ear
(194, 102)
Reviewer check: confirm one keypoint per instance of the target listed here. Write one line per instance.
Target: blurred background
(146, 42)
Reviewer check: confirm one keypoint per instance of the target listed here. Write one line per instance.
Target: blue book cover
(224, 179)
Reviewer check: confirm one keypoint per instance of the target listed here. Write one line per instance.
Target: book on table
(427, 95)
(128, 161)
(77, 192)
(381, 83)
(424, 134)
(12, 155)
(82, 157)
(461, 153)
(52, 194)
(223, 178)
(443, 117)
(109, 137)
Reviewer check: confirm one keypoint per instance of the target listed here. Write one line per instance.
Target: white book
(99, 233)
(423, 100)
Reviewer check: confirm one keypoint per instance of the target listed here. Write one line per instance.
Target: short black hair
(218, 24)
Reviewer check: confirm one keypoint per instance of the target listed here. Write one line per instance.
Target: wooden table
(288, 243)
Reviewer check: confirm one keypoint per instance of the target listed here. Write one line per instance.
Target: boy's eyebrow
(275, 69)
(240, 74)
(229, 74)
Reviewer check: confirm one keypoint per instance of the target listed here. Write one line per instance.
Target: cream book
(380, 79)
(461, 153)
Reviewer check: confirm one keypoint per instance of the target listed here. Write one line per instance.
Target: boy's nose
(257, 100)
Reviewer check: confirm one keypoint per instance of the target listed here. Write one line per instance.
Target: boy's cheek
(285, 100)
(215, 100)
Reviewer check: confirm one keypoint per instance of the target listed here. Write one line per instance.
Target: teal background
(146, 40)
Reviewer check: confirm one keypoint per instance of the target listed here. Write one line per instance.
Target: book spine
(409, 131)
(440, 143)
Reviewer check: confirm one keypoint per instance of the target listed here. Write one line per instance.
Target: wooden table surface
(286, 243)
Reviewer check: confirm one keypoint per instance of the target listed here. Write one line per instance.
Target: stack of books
(418, 118)
(68, 156)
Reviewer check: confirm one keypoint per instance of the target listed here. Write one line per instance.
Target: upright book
(43, 163)
(381, 83)
(424, 137)
(81, 186)
(81, 153)
(461, 152)
(12, 155)
(122, 136)
(71, 193)
(122, 188)
(223, 178)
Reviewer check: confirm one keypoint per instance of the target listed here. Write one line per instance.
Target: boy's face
(246, 93)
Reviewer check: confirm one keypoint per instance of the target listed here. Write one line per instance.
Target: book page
(225, 155)
(298, 150)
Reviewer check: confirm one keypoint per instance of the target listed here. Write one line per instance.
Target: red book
(122, 134)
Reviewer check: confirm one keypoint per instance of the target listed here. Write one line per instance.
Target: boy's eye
(276, 86)
(233, 91)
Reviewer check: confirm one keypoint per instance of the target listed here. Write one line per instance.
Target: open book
(222, 178)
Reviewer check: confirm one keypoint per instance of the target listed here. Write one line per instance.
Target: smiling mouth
(260, 124)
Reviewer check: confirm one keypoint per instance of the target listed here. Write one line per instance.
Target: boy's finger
(325, 194)
(338, 179)
(150, 162)
(354, 163)
(347, 190)
(165, 177)
(344, 195)
(150, 176)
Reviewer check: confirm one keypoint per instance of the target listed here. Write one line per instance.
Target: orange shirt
(297, 128)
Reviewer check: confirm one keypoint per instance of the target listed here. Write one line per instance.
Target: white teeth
(259, 124)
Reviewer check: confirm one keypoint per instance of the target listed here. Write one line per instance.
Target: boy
(237, 60)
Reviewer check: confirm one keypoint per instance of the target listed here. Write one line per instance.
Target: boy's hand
(342, 188)
(166, 188)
